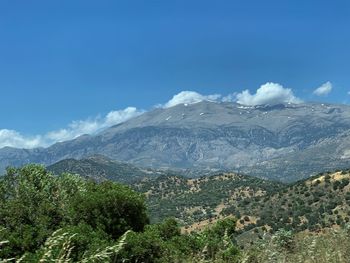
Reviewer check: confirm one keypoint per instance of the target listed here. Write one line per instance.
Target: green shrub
(34, 204)
(110, 207)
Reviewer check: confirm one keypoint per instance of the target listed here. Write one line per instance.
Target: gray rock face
(286, 141)
(100, 168)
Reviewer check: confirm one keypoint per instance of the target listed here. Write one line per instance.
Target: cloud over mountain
(15, 139)
(90, 126)
(324, 89)
(75, 129)
(190, 97)
(269, 93)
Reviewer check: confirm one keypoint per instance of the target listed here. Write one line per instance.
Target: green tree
(161, 242)
(217, 241)
(30, 207)
(34, 204)
(110, 207)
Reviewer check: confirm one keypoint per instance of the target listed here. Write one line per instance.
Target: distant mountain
(286, 142)
(101, 168)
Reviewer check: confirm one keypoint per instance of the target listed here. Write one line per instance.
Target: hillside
(199, 199)
(259, 205)
(101, 168)
(312, 204)
(287, 142)
(67, 217)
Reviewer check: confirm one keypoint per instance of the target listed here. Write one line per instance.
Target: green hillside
(318, 202)
(222, 218)
(194, 200)
(260, 206)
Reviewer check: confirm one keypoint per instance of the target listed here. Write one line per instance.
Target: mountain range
(285, 141)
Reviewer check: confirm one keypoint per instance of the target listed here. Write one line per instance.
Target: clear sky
(64, 60)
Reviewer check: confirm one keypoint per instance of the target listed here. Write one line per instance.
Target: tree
(110, 207)
(34, 204)
(218, 239)
(161, 242)
(30, 207)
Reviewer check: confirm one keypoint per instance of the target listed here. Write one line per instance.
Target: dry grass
(58, 249)
(329, 246)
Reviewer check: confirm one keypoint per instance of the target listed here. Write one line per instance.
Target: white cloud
(189, 97)
(269, 93)
(77, 128)
(91, 126)
(115, 117)
(348, 92)
(230, 97)
(324, 89)
(13, 138)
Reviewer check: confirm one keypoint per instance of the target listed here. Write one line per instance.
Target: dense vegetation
(65, 218)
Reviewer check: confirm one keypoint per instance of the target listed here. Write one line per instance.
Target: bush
(217, 241)
(110, 207)
(34, 204)
(284, 239)
(65, 218)
(31, 207)
(161, 242)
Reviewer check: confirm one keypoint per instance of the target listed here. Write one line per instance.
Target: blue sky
(64, 61)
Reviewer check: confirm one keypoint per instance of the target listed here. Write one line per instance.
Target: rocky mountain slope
(286, 142)
(101, 168)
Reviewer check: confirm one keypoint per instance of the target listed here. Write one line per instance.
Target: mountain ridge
(265, 141)
(100, 168)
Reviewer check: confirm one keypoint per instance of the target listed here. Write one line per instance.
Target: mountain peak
(264, 140)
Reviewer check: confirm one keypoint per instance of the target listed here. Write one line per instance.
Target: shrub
(110, 207)
(31, 207)
(34, 204)
(284, 239)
